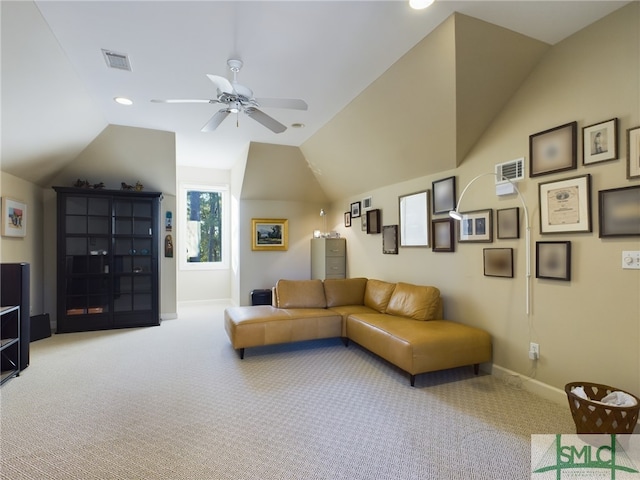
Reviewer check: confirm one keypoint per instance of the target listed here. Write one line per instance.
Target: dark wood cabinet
(107, 269)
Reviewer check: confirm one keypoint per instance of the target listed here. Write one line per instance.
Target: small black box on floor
(40, 327)
(261, 297)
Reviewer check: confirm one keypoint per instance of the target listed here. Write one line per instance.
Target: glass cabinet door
(87, 250)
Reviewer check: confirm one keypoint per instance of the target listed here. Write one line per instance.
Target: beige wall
(27, 249)
(588, 328)
(118, 154)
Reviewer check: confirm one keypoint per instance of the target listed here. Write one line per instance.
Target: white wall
(201, 285)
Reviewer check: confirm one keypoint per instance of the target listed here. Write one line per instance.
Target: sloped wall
(587, 328)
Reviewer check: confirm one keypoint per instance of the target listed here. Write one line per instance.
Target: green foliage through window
(204, 226)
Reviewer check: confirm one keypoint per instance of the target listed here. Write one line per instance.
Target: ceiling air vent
(513, 170)
(116, 60)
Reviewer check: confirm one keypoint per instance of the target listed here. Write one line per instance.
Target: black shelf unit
(107, 271)
(9, 342)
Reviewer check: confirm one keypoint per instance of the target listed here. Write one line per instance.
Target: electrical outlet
(534, 351)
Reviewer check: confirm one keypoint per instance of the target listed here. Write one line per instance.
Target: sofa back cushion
(344, 291)
(377, 294)
(415, 301)
(300, 294)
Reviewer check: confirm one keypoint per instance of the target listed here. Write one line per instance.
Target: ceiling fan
(237, 98)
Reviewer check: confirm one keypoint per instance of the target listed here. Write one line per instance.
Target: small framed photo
(347, 219)
(414, 219)
(355, 209)
(508, 223)
(553, 150)
(367, 203)
(633, 152)
(390, 239)
(363, 222)
(442, 231)
(498, 262)
(14, 218)
(476, 226)
(553, 260)
(373, 220)
(270, 234)
(619, 212)
(565, 205)
(444, 195)
(600, 142)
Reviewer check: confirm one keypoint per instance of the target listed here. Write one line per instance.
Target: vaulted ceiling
(366, 69)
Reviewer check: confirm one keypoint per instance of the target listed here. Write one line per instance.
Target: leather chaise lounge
(400, 322)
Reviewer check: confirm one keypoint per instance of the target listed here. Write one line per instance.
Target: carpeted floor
(176, 402)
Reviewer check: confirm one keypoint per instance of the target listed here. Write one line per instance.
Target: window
(204, 228)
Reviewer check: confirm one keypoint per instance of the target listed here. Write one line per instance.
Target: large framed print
(600, 142)
(444, 195)
(269, 234)
(619, 212)
(476, 226)
(14, 218)
(565, 205)
(373, 221)
(414, 219)
(553, 260)
(633, 152)
(553, 150)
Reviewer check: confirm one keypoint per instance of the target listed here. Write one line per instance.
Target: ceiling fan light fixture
(420, 4)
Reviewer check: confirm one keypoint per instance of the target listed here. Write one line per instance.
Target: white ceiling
(325, 52)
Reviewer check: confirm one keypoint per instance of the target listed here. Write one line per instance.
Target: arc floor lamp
(457, 216)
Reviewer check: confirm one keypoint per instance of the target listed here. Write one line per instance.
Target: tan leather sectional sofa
(399, 322)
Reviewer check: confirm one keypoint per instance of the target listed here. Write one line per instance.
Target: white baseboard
(530, 384)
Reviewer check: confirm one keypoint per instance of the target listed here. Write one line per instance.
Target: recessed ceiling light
(297, 125)
(419, 4)
(123, 101)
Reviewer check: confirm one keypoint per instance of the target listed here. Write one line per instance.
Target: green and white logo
(563, 457)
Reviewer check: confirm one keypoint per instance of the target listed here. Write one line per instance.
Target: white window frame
(226, 227)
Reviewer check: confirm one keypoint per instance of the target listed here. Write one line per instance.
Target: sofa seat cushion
(419, 347)
(344, 291)
(300, 294)
(415, 301)
(266, 325)
(346, 310)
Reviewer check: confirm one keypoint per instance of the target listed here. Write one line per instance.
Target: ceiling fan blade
(292, 103)
(216, 120)
(221, 83)
(184, 100)
(269, 122)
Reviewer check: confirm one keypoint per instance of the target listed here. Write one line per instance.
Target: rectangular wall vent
(116, 60)
(513, 170)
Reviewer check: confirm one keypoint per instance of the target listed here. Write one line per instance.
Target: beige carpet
(176, 402)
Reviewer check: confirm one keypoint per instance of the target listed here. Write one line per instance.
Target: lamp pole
(456, 215)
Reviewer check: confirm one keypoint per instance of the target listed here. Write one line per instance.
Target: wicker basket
(592, 417)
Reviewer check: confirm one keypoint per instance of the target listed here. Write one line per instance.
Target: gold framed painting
(269, 234)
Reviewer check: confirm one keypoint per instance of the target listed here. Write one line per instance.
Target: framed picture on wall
(444, 195)
(270, 234)
(600, 142)
(633, 152)
(565, 205)
(347, 219)
(442, 230)
(508, 221)
(498, 262)
(619, 212)
(373, 220)
(553, 150)
(414, 219)
(390, 239)
(14, 218)
(476, 226)
(355, 209)
(553, 260)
